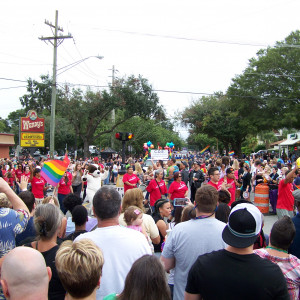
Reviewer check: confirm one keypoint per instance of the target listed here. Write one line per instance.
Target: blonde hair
(131, 214)
(235, 164)
(79, 267)
(138, 168)
(4, 202)
(51, 200)
(133, 197)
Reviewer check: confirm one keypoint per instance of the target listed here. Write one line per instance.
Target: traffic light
(124, 136)
(119, 135)
(129, 136)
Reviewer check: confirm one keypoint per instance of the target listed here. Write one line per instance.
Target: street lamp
(53, 97)
(74, 64)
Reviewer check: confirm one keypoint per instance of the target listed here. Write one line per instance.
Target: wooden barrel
(261, 198)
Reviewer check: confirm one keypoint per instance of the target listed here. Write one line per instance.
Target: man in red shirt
(285, 202)
(214, 176)
(228, 181)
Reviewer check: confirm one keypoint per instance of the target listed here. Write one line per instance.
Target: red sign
(29, 125)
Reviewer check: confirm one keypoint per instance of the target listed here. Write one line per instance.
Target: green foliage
(214, 117)
(90, 112)
(268, 91)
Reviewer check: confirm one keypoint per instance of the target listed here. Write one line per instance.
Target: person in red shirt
(178, 188)
(130, 180)
(285, 201)
(64, 188)
(157, 187)
(214, 176)
(38, 186)
(228, 181)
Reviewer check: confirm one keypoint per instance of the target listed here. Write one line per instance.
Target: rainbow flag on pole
(202, 151)
(53, 170)
(231, 153)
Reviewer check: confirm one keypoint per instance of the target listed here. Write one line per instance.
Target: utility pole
(57, 40)
(113, 113)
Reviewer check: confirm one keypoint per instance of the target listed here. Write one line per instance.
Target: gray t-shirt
(186, 242)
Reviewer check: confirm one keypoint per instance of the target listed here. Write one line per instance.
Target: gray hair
(47, 220)
(158, 171)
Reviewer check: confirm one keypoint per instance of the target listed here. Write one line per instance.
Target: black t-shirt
(156, 218)
(226, 275)
(56, 290)
(74, 235)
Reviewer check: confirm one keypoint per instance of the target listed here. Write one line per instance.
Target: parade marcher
(214, 176)
(76, 179)
(157, 187)
(230, 183)
(130, 180)
(196, 178)
(257, 278)
(184, 169)
(178, 188)
(295, 246)
(171, 170)
(285, 201)
(273, 188)
(246, 183)
(63, 188)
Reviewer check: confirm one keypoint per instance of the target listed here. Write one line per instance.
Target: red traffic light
(118, 135)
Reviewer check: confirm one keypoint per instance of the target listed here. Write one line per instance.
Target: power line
(170, 91)
(200, 40)
(14, 87)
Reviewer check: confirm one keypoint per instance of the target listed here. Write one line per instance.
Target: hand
(24, 182)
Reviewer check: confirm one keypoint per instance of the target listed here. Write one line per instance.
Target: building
(6, 141)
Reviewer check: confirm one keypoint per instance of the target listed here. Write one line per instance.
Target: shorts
(284, 212)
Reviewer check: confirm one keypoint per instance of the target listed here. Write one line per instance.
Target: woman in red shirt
(64, 188)
(157, 187)
(178, 188)
(38, 186)
(130, 180)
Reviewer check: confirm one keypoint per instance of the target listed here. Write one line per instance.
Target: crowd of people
(181, 229)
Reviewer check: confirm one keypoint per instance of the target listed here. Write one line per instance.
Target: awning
(289, 142)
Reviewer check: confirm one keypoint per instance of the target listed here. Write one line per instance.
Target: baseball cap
(244, 225)
(184, 163)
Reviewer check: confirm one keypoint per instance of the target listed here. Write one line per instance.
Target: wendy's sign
(32, 123)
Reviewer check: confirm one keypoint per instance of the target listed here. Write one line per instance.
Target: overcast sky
(191, 46)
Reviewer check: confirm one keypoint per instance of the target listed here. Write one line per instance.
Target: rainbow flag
(53, 170)
(202, 151)
(231, 153)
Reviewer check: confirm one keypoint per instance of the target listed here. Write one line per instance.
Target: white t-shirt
(121, 247)
(186, 242)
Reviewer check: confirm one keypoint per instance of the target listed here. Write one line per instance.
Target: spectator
(257, 278)
(29, 232)
(79, 267)
(24, 275)
(190, 239)
(47, 222)
(295, 246)
(121, 246)
(79, 218)
(146, 280)
(282, 234)
(135, 197)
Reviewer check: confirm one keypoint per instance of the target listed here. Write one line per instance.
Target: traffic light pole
(123, 166)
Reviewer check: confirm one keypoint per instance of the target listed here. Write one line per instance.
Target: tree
(39, 94)
(268, 91)
(214, 117)
(90, 112)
